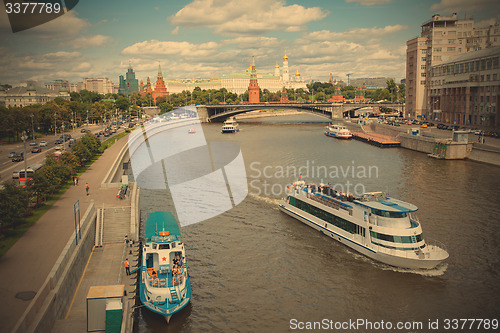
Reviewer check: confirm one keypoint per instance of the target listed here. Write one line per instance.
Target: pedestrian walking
(74, 180)
(87, 187)
(126, 239)
(127, 266)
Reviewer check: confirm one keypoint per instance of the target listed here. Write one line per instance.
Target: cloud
(455, 6)
(89, 41)
(241, 17)
(357, 34)
(175, 31)
(181, 49)
(370, 2)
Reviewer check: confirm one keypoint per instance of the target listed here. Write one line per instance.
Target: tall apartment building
(441, 38)
(99, 85)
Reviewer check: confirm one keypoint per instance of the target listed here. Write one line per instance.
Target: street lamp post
(32, 127)
(24, 158)
(87, 119)
(55, 125)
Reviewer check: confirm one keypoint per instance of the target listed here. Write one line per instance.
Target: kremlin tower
(286, 77)
(160, 89)
(253, 88)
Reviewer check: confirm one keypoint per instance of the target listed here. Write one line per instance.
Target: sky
(209, 38)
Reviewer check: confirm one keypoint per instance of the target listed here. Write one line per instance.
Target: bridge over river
(218, 113)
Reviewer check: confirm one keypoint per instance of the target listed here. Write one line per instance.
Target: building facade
(128, 84)
(99, 85)
(466, 89)
(24, 96)
(441, 38)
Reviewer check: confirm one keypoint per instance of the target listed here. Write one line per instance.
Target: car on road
(18, 158)
(58, 141)
(59, 147)
(83, 130)
(43, 144)
(12, 154)
(33, 143)
(36, 150)
(424, 125)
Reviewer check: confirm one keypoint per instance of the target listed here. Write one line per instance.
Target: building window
(422, 83)
(422, 74)
(424, 58)
(451, 49)
(424, 51)
(422, 67)
(437, 49)
(451, 41)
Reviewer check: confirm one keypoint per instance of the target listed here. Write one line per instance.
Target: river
(255, 269)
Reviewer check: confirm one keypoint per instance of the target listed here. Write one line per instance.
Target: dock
(379, 140)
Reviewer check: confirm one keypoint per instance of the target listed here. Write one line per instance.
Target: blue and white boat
(338, 131)
(230, 126)
(164, 281)
(376, 225)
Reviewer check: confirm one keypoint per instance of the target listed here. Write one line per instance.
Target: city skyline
(207, 38)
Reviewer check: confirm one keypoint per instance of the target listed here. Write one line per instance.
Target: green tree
(14, 202)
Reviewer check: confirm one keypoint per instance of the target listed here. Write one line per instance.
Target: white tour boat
(338, 131)
(230, 126)
(376, 225)
(164, 285)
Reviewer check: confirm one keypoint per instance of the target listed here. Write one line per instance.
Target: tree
(14, 202)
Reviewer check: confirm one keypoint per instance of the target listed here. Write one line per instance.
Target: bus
(29, 172)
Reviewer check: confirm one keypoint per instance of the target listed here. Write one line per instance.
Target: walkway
(26, 265)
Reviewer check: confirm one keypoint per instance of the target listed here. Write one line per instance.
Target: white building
(99, 85)
(441, 38)
(24, 96)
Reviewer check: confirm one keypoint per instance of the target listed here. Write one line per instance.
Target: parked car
(33, 143)
(36, 150)
(423, 126)
(43, 143)
(83, 130)
(18, 158)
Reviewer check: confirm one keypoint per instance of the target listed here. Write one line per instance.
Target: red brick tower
(160, 89)
(253, 88)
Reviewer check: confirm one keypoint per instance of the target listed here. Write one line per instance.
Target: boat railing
(435, 245)
(409, 254)
(330, 202)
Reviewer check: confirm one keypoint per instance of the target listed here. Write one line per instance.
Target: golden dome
(285, 58)
(277, 66)
(297, 72)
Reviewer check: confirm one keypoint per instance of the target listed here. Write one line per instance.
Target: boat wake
(271, 201)
(439, 270)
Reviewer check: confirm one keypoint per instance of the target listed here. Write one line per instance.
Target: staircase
(115, 225)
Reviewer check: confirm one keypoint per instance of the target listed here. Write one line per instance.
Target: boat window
(154, 246)
(164, 246)
(397, 239)
(388, 214)
(326, 216)
(173, 245)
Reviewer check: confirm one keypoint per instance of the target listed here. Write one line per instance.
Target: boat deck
(379, 140)
(163, 278)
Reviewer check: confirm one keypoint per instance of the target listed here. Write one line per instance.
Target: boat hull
(364, 249)
(338, 136)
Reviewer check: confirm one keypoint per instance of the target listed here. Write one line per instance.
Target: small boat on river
(164, 283)
(376, 225)
(230, 126)
(338, 131)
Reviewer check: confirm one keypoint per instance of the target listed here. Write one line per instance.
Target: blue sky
(208, 38)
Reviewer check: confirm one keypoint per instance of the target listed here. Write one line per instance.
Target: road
(7, 167)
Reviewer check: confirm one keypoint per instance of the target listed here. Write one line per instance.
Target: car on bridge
(18, 157)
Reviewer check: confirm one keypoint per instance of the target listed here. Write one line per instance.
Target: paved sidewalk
(27, 264)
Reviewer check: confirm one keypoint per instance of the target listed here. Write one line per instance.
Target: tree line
(88, 106)
(17, 202)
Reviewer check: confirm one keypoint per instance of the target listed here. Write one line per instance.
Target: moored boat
(338, 131)
(165, 287)
(230, 126)
(376, 225)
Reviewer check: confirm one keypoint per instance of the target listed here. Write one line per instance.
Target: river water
(255, 269)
